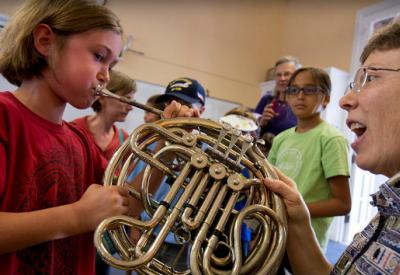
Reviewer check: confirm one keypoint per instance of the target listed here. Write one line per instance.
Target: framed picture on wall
(368, 21)
(381, 23)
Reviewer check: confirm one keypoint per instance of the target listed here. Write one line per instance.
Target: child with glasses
(314, 154)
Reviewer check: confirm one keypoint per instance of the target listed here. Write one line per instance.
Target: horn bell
(215, 178)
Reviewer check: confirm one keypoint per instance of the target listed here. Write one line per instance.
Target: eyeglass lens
(359, 80)
(361, 76)
(306, 90)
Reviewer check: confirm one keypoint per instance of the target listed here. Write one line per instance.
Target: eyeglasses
(364, 76)
(294, 91)
(284, 74)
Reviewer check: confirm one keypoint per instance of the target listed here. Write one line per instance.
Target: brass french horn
(205, 163)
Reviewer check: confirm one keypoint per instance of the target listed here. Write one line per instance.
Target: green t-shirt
(310, 158)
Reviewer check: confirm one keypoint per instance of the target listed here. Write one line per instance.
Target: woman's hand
(267, 115)
(305, 255)
(176, 109)
(295, 206)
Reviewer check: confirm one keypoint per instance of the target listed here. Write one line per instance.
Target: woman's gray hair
(287, 59)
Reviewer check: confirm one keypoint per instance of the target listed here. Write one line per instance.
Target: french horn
(211, 169)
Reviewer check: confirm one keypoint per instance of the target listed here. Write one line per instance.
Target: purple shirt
(284, 120)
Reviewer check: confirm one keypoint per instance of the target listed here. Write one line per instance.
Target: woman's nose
(349, 100)
(282, 77)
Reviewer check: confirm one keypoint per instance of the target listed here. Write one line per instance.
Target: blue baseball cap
(186, 89)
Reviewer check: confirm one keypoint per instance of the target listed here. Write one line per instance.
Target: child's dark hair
(20, 60)
(152, 101)
(120, 83)
(320, 77)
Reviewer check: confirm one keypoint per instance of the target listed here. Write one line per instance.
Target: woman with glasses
(372, 102)
(274, 113)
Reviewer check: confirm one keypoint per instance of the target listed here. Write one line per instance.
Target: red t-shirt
(112, 146)
(44, 165)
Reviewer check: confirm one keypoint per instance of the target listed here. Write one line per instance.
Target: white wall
(333, 113)
(215, 108)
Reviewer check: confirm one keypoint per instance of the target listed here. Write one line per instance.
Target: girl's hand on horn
(98, 203)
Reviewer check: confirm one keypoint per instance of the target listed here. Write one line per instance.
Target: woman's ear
(43, 38)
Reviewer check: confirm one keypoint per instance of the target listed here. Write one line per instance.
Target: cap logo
(200, 96)
(182, 84)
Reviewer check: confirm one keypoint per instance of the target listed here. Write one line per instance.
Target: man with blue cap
(187, 91)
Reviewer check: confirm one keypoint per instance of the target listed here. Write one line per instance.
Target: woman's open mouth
(358, 128)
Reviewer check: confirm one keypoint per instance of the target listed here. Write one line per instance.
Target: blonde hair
(20, 60)
(119, 82)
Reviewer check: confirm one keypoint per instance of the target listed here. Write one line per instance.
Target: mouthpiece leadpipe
(101, 91)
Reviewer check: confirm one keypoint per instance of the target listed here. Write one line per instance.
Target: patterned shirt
(376, 250)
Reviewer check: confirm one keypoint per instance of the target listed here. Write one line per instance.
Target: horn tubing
(202, 199)
(101, 91)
